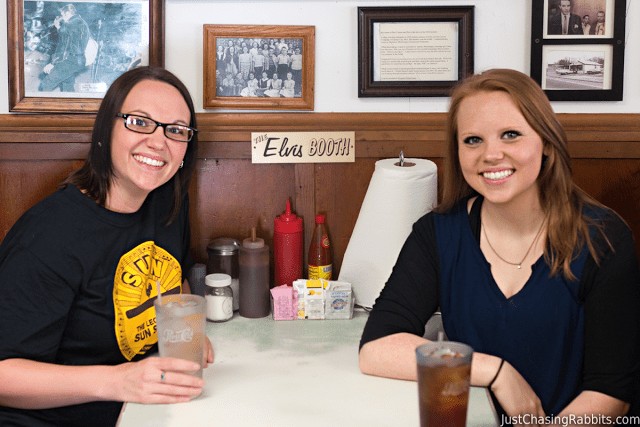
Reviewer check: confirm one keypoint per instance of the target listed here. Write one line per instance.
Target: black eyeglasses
(141, 124)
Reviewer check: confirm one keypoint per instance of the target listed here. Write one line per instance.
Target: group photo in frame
(416, 51)
(64, 55)
(577, 49)
(258, 66)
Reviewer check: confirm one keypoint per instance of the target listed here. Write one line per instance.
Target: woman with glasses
(80, 270)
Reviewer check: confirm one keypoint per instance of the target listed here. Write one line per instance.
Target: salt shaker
(223, 258)
(219, 297)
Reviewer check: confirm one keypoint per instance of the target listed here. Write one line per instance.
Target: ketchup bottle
(287, 247)
(319, 260)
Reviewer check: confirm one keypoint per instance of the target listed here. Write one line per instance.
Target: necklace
(515, 264)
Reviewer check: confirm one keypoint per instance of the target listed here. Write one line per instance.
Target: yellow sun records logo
(134, 292)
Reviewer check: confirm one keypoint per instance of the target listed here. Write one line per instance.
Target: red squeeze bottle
(287, 247)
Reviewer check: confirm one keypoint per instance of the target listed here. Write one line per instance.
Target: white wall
(502, 39)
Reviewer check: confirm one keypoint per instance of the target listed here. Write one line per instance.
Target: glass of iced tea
(444, 371)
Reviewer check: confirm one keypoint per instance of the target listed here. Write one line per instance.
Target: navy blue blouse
(562, 336)
(539, 330)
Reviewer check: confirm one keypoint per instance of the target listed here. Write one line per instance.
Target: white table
(294, 373)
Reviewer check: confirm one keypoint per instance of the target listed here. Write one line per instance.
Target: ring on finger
(163, 375)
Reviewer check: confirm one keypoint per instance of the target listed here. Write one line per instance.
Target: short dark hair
(68, 8)
(95, 175)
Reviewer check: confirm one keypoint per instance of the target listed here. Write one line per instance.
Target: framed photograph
(413, 50)
(258, 67)
(577, 49)
(63, 55)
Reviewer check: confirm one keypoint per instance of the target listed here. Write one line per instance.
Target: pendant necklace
(515, 264)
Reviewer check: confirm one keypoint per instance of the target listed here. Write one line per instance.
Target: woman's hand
(158, 380)
(516, 395)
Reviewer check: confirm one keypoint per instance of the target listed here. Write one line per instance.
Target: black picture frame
(461, 66)
(578, 67)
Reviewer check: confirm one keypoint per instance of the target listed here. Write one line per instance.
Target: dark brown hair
(96, 174)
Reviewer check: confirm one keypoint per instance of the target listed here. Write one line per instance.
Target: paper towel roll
(396, 198)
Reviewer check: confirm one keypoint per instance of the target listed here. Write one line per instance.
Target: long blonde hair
(561, 199)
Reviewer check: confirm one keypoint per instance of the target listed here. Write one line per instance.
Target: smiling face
(500, 154)
(144, 162)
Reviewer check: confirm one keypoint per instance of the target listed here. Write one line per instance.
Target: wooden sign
(303, 147)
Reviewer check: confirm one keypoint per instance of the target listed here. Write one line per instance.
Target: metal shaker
(223, 255)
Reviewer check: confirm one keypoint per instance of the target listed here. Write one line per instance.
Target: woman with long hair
(540, 279)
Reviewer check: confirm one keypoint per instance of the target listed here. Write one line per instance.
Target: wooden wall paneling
(305, 203)
(229, 194)
(341, 188)
(23, 183)
(616, 184)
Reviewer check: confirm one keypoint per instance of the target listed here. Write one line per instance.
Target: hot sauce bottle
(320, 260)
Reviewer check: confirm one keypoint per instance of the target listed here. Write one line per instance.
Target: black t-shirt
(78, 283)
(609, 292)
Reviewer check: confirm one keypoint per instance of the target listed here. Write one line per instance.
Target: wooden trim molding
(378, 135)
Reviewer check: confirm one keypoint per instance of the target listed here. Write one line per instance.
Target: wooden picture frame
(125, 34)
(575, 63)
(436, 45)
(220, 91)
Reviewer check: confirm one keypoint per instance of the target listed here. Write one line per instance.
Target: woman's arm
(393, 356)
(611, 290)
(599, 408)
(35, 385)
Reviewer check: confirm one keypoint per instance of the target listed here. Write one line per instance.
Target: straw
(159, 291)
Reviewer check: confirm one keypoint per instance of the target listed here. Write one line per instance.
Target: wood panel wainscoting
(229, 194)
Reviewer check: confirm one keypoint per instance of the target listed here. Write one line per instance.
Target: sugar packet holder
(313, 299)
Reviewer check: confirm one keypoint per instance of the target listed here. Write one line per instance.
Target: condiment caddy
(314, 299)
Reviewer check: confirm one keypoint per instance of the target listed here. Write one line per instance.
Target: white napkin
(396, 198)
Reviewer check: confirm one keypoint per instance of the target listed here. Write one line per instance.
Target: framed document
(413, 51)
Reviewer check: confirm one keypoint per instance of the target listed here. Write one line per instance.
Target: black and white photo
(64, 55)
(577, 67)
(578, 18)
(259, 66)
(77, 49)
